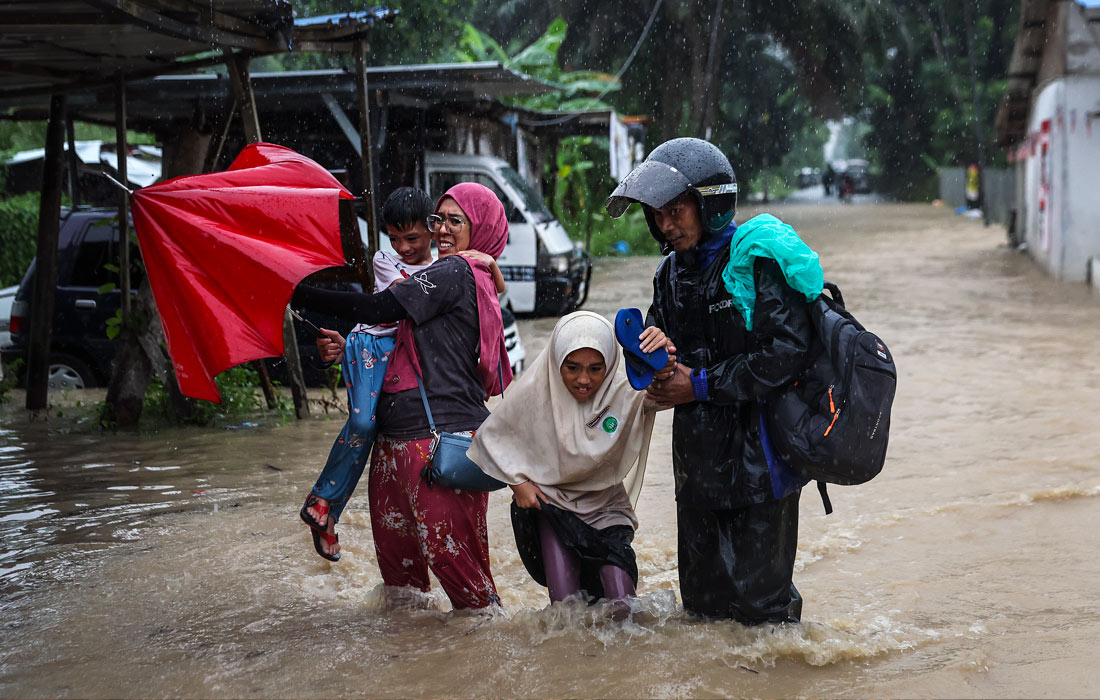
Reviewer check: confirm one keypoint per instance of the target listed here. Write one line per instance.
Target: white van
(546, 273)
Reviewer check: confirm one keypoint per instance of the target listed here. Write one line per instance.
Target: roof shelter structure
(456, 107)
(58, 50)
(64, 46)
(167, 98)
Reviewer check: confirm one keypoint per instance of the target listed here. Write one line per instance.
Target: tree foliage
(920, 96)
(18, 229)
(579, 185)
(424, 31)
(784, 66)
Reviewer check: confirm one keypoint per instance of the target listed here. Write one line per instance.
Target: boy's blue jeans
(365, 360)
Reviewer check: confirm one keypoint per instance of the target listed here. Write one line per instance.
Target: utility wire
(615, 82)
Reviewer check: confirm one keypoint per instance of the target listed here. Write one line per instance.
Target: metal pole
(215, 152)
(365, 139)
(122, 151)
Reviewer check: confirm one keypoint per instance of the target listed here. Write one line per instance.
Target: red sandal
(319, 531)
(322, 513)
(330, 539)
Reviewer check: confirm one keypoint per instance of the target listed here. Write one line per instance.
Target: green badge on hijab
(610, 424)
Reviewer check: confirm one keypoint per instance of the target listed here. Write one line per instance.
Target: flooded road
(174, 564)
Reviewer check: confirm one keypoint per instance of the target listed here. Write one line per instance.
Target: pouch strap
(427, 410)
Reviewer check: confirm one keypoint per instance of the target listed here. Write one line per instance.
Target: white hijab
(540, 433)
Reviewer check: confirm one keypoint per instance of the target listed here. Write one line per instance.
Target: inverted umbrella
(224, 252)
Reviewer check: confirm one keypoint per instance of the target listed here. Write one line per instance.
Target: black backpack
(833, 422)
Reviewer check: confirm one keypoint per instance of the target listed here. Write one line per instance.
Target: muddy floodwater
(174, 564)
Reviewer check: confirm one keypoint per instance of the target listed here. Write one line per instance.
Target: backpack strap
(825, 497)
(834, 292)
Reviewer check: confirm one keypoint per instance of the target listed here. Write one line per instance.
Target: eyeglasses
(453, 222)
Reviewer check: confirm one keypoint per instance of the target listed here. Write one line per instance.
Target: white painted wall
(1061, 211)
(1081, 206)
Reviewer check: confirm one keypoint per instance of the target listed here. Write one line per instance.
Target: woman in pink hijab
(451, 336)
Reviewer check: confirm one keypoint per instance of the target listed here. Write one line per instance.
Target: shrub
(10, 379)
(18, 236)
(238, 386)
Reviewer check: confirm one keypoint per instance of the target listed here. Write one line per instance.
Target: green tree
(920, 93)
(423, 31)
(902, 69)
(781, 66)
(580, 174)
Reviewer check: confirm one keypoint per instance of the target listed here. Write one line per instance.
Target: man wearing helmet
(737, 516)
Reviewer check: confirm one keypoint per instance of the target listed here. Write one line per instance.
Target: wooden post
(45, 268)
(294, 360)
(243, 96)
(122, 151)
(366, 150)
(74, 167)
(352, 243)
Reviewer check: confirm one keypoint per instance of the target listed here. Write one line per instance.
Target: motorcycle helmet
(673, 168)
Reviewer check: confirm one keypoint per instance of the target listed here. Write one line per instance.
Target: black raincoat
(736, 537)
(716, 453)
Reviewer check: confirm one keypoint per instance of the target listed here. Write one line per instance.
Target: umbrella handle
(118, 184)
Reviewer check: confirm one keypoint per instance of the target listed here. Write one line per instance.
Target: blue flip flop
(640, 366)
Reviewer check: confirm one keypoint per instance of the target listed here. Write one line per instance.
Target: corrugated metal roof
(58, 45)
(65, 45)
(169, 97)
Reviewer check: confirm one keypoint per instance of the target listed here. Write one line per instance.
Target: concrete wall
(999, 187)
(1060, 211)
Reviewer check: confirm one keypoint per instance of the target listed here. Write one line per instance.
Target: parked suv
(81, 354)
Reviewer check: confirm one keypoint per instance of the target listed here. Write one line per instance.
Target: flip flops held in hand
(318, 526)
(640, 366)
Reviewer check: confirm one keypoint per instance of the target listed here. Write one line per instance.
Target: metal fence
(999, 195)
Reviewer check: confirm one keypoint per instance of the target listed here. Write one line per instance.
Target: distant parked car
(809, 177)
(7, 298)
(860, 173)
(81, 354)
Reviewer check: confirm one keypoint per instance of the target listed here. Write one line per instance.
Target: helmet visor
(653, 183)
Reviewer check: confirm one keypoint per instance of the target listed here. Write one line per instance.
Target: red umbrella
(224, 251)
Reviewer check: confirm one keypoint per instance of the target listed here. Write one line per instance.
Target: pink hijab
(488, 234)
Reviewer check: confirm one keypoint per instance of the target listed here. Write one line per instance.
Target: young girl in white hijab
(570, 437)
